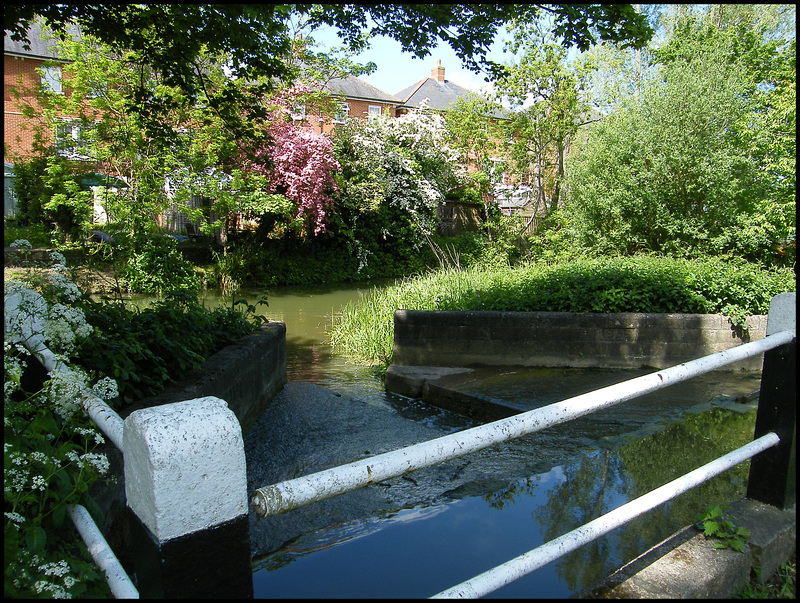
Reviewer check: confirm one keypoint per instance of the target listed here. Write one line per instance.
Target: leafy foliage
(715, 523)
(683, 170)
(156, 266)
(394, 174)
(147, 349)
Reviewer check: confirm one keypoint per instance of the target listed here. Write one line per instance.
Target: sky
(398, 70)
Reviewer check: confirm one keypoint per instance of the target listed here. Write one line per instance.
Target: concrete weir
(436, 353)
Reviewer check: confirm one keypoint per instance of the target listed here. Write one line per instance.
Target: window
(373, 112)
(51, 79)
(342, 112)
(71, 140)
(299, 111)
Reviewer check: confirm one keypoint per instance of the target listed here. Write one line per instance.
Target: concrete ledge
(410, 380)
(565, 339)
(686, 566)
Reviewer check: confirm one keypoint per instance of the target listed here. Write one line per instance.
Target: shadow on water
(571, 474)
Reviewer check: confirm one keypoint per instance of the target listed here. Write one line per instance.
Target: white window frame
(51, 79)
(374, 112)
(77, 148)
(342, 113)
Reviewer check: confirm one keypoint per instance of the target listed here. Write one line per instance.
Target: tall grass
(364, 331)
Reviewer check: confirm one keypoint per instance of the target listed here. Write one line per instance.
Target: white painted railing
(285, 496)
(300, 491)
(518, 567)
(119, 582)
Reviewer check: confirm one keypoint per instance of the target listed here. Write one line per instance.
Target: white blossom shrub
(49, 447)
(395, 171)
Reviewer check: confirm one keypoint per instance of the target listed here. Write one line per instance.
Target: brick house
(356, 99)
(26, 71)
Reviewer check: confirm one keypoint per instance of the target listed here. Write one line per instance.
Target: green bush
(144, 350)
(157, 267)
(37, 234)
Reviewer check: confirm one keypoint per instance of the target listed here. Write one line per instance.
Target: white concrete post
(184, 466)
(186, 485)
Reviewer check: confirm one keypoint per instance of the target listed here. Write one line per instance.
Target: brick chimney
(437, 72)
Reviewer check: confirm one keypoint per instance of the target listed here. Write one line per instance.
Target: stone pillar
(186, 488)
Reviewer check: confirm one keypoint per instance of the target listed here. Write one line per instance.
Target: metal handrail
(518, 567)
(106, 419)
(291, 494)
(121, 585)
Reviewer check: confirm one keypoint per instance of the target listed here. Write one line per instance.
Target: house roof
(353, 87)
(441, 95)
(41, 46)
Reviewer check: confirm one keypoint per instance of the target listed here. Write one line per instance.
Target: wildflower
(65, 389)
(25, 311)
(15, 518)
(22, 244)
(98, 461)
(106, 389)
(87, 433)
(65, 326)
(59, 568)
(39, 457)
(65, 286)
(58, 258)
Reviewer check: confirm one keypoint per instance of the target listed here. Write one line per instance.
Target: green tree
(255, 39)
(103, 134)
(547, 93)
(681, 171)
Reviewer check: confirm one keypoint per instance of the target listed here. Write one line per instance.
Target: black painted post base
(212, 563)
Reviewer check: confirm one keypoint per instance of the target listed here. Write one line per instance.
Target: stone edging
(565, 339)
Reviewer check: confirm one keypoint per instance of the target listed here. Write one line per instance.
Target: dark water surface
(573, 473)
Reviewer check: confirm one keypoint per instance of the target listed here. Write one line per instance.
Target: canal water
(565, 480)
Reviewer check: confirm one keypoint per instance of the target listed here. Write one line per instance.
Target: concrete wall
(564, 339)
(247, 375)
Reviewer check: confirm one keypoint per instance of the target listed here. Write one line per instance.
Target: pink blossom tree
(298, 163)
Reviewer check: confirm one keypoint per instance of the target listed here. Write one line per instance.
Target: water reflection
(477, 532)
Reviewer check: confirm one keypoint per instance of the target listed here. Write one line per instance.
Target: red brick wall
(19, 73)
(358, 109)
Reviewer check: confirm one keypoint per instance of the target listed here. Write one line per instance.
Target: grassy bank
(364, 330)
